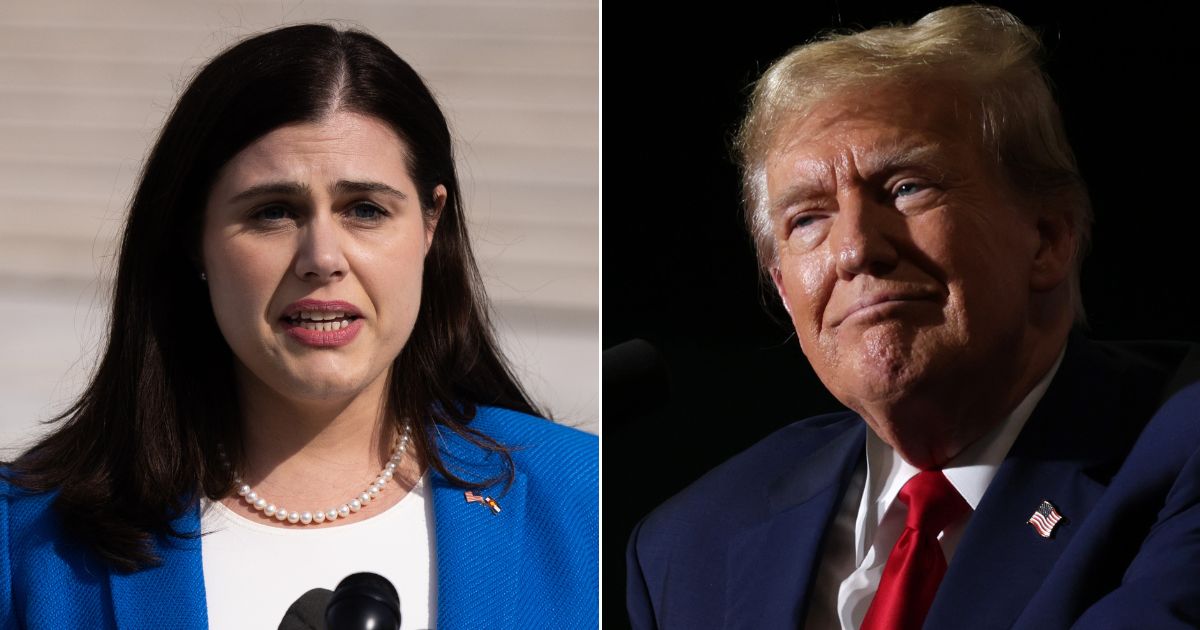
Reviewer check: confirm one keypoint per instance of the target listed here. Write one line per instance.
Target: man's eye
(908, 188)
(808, 218)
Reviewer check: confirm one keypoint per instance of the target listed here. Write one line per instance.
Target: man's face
(904, 259)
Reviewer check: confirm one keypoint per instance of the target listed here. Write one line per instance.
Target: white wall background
(84, 87)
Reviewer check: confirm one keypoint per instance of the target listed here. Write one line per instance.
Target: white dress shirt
(869, 521)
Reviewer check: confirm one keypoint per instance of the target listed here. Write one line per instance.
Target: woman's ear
(439, 203)
(196, 257)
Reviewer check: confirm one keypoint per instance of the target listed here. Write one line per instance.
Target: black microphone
(308, 612)
(363, 601)
(636, 382)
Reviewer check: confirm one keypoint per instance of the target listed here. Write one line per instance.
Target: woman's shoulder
(542, 450)
(34, 553)
(30, 529)
(545, 520)
(21, 509)
(533, 435)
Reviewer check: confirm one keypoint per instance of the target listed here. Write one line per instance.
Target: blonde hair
(986, 49)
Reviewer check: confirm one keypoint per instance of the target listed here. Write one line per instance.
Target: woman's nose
(320, 255)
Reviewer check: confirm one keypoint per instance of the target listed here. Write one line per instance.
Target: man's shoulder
(736, 492)
(1147, 354)
(1135, 542)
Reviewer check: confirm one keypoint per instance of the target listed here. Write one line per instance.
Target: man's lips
(878, 301)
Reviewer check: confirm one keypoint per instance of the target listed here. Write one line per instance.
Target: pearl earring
(203, 277)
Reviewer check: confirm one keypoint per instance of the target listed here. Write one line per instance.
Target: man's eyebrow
(297, 189)
(930, 155)
(811, 183)
(794, 194)
(808, 184)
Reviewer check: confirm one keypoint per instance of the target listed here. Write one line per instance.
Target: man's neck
(930, 428)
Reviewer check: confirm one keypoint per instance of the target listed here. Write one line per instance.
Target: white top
(254, 572)
(870, 520)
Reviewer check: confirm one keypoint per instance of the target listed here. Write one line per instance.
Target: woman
(300, 367)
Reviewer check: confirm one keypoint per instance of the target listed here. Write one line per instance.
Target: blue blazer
(533, 565)
(741, 546)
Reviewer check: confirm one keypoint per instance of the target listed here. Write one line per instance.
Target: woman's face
(314, 244)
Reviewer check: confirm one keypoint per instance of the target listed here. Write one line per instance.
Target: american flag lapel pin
(1045, 518)
(487, 502)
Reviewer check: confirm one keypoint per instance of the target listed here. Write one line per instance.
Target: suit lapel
(170, 595)
(1066, 454)
(772, 563)
(479, 553)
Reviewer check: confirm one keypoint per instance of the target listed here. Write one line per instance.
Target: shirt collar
(970, 472)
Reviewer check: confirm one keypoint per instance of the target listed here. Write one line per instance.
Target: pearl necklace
(252, 498)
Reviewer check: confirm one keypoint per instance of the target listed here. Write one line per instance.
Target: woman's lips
(311, 336)
(321, 306)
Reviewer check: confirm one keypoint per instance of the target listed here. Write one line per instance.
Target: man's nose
(863, 236)
(320, 255)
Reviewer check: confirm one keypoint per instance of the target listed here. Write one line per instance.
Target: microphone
(363, 601)
(636, 382)
(308, 612)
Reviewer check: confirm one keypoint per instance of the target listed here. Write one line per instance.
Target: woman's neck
(318, 454)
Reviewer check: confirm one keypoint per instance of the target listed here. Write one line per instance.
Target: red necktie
(916, 565)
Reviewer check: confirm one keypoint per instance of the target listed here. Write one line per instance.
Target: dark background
(679, 270)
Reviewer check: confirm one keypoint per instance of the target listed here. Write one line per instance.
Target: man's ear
(1057, 241)
(777, 278)
(439, 204)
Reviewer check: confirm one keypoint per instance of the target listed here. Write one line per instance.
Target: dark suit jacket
(740, 547)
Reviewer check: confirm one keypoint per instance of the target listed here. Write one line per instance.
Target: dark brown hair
(140, 444)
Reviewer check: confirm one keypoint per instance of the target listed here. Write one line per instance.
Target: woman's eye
(366, 212)
(271, 213)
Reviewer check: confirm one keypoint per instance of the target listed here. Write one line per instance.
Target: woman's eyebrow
(346, 186)
(290, 189)
(298, 189)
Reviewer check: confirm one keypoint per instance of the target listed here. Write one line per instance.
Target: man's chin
(886, 352)
(883, 377)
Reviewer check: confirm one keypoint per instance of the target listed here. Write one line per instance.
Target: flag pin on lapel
(487, 502)
(1045, 519)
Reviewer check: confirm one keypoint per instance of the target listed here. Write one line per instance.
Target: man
(916, 205)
